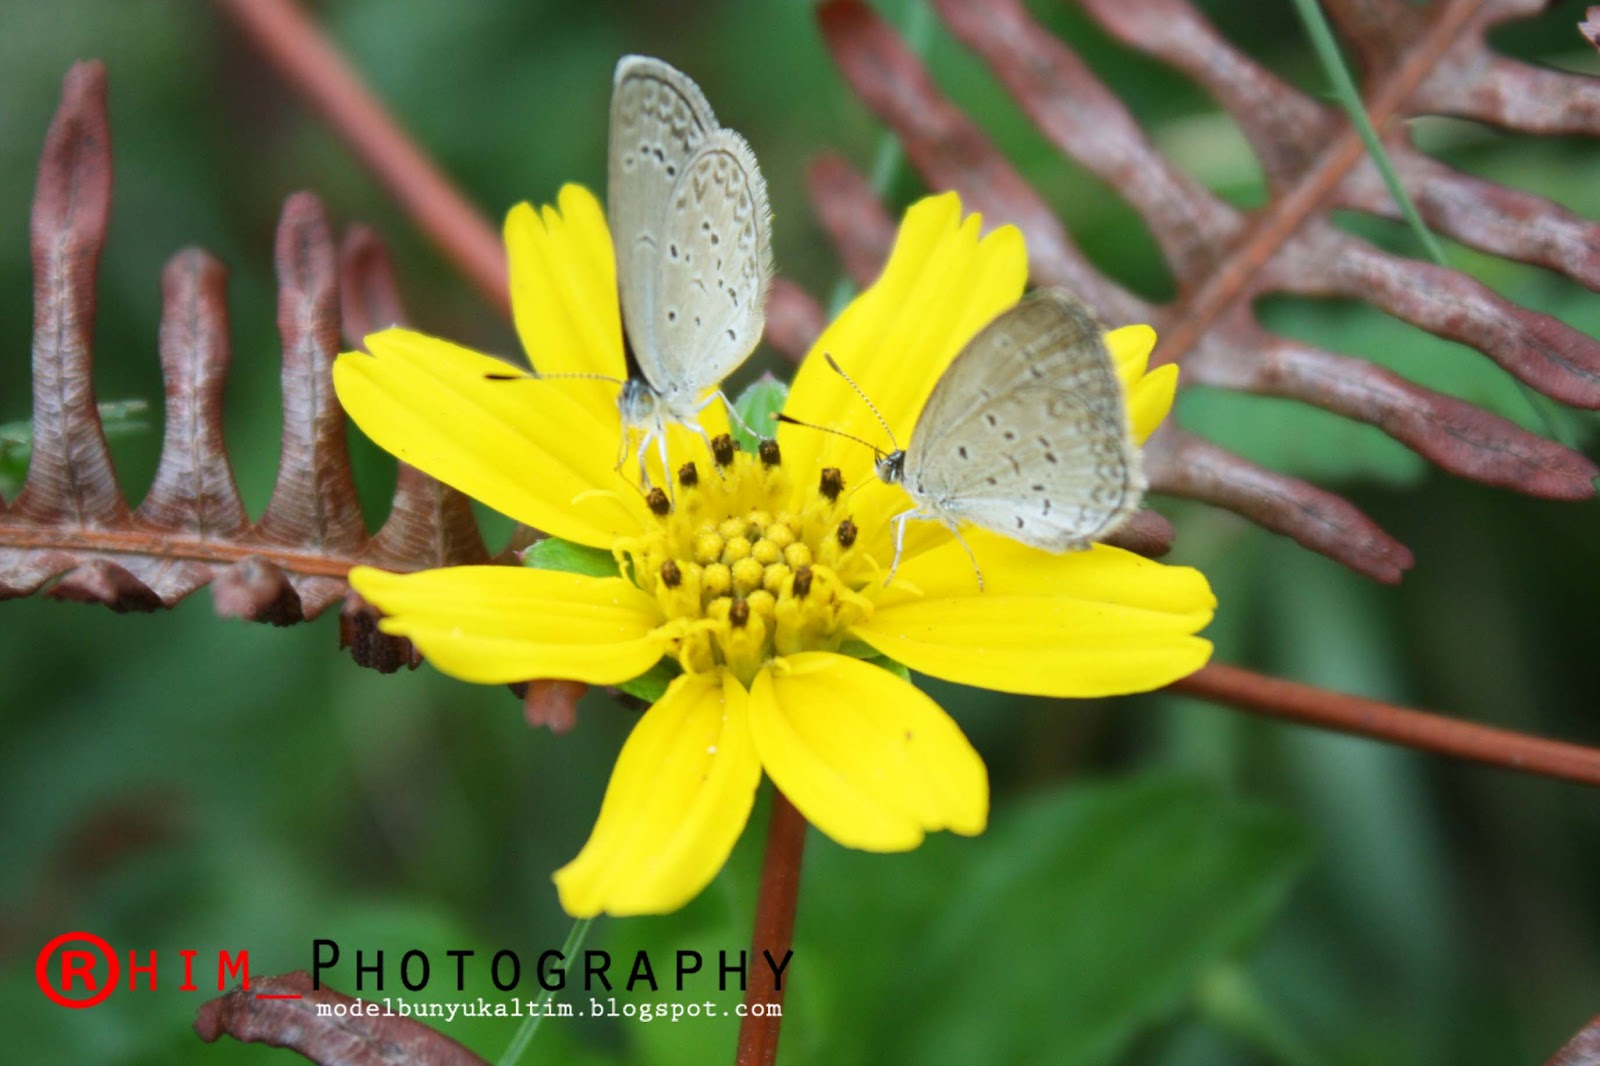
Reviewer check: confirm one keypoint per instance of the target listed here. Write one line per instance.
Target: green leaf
(120, 418)
(1232, 1001)
(553, 553)
(652, 684)
(123, 418)
(757, 405)
(1092, 913)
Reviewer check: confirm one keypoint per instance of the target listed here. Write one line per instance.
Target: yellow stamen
(742, 576)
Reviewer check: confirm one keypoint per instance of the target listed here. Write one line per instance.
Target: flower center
(744, 567)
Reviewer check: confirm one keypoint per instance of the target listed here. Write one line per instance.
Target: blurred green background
(1164, 881)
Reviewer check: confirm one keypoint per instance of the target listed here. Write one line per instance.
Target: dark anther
(722, 448)
(832, 483)
(738, 613)
(688, 476)
(660, 506)
(671, 576)
(768, 451)
(847, 533)
(802, 582)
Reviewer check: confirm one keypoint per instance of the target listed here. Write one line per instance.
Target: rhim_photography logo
(80, 969)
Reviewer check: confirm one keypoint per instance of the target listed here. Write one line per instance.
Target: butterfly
(1025, 434)
(692, 230)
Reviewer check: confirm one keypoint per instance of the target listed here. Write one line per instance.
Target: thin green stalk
(1349, 97)
(530, 1025)
(1231, 1000)
(1344, 87)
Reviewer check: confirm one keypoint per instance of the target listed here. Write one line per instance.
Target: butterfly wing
(659, 119)
(1026, 434)
(714, 265)
(689, 218)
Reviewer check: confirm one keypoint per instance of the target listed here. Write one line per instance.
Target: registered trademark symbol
(77, 966)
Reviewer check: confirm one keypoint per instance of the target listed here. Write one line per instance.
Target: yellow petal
(1149, 395)
(865, 756)
(1093, 623)
(526, 448)
(1150, 400)
(564, 300)
(1101, 572)
(501, 624)
(679, 797)
(1130, 349)
(940, 286)
(564, 287)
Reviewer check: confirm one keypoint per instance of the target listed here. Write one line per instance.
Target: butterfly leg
(622, 449)
(733, 414)
(657, 434)
(644, 450)
(666, 469)
(711, 451)
(956, 532)
(899, 522)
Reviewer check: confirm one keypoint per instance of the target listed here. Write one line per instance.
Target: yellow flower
(764, 576)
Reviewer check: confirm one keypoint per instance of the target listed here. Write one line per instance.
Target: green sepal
(858, 649)
(898, 669)
(553, 553)
(652, 684)
(757, 405)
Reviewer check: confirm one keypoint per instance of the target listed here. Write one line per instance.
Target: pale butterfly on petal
(1025, 434)
(692, 230)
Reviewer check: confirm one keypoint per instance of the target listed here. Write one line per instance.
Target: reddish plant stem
(1195, 313)
(774, 932)
(178, 547)
(1294, 702)
(307, 60)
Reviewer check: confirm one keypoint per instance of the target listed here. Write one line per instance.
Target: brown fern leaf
(1417, 60)
(1584, 1048)
(794, 318)
(71, 530)
(431, 524)
(282, 1011)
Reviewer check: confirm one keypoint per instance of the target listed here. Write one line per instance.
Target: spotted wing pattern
(690, 222)
(1026, 434)
(714, 266)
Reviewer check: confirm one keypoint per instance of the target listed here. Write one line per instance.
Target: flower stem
(774, 932)
(308, 61)
(1279, 698)
(530, 1025)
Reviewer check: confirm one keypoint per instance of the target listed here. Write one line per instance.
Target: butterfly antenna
(826, 429)
(837, 369)
(536, 376)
